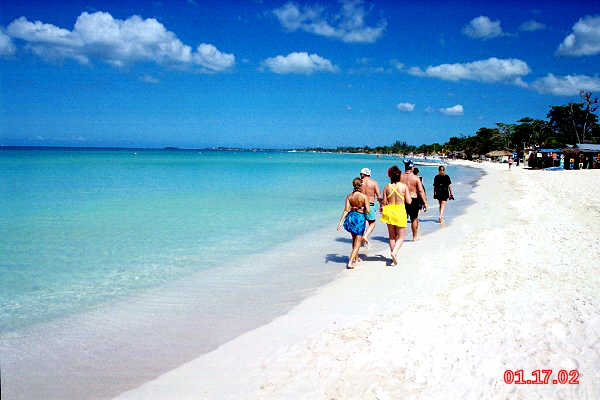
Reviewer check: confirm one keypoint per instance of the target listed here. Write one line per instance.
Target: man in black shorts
(419, 199)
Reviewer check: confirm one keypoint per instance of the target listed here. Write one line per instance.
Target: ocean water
(199, 245)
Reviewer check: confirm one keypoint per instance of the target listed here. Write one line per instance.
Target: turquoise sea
(86, 231)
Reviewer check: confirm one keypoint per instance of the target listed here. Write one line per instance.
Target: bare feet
(394, 260)
(441, 220)
(349, 266)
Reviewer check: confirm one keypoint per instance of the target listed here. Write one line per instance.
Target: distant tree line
(567, 124)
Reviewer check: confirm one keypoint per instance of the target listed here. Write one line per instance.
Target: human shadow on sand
(380, 238)
(343, 240)
(337, 258)
(436, 220)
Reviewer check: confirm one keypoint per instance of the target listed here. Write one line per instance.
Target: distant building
(582, 156)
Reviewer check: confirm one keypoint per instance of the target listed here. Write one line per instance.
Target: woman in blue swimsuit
(353, 219)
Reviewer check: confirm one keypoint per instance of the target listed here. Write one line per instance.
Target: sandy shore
(513, 283)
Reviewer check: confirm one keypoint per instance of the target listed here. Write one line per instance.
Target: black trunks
(413, 208)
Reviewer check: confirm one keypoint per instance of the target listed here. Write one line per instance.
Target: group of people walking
(402, 198)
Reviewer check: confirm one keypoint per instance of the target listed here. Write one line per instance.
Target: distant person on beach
(417, 194)
(416, 173)
(442, 190)
(510, 161)
(395, 194)
(353, 219)
(371, 189)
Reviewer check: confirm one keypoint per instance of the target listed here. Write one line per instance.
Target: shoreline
(473, 303)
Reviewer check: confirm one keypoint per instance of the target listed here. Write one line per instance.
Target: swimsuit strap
(352, 208)
(394, 190)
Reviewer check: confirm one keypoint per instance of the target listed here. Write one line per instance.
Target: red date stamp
(541, 377)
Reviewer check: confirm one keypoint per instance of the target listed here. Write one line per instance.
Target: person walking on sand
(395, 194)
(416, 173)
(371, 189)
(442, 190)
(417, 194)
(353, 218)
(510, 162)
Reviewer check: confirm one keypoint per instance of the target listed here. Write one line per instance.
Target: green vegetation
(567, 124)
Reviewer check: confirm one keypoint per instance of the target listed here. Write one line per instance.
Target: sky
(285, 74)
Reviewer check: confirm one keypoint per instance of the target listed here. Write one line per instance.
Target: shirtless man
(417, 193)
(371, 189)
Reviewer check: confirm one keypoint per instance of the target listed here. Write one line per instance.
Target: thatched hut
(499, 155)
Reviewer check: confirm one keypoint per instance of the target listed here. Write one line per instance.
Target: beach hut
(582, 156)
(458, 154)
(499, 155)
(545, 158)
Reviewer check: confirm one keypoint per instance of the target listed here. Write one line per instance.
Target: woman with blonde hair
(353, 218)
(395, 194)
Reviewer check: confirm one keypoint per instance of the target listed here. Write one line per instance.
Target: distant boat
(430, 163)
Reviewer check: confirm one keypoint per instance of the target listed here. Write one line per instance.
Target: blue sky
(194, 73)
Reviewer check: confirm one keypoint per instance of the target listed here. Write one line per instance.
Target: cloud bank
(299, 63)
(568, 85)
(347, 25)
(584, 40)
(116, 42)
(7, 48)
(509, 70)
(483, 28)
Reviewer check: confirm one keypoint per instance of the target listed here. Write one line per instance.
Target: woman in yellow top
(395, 194)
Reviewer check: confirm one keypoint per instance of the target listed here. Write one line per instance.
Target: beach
(510, 284)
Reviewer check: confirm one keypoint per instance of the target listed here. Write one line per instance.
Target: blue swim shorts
(372, 215)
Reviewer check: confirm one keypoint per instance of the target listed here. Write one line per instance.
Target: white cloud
(483, 28)
(210, 57)
(299, 63)
(531, 25)
(454, 111)
(348, 25)
(406, 107)
(117, 42)
(416, 71)
(568, 85)
(520, 82)
(584, 40)
(493, 69)
(149, 79)
(7, 48)
(429, 109)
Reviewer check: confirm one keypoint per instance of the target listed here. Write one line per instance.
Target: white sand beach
(513, 283)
